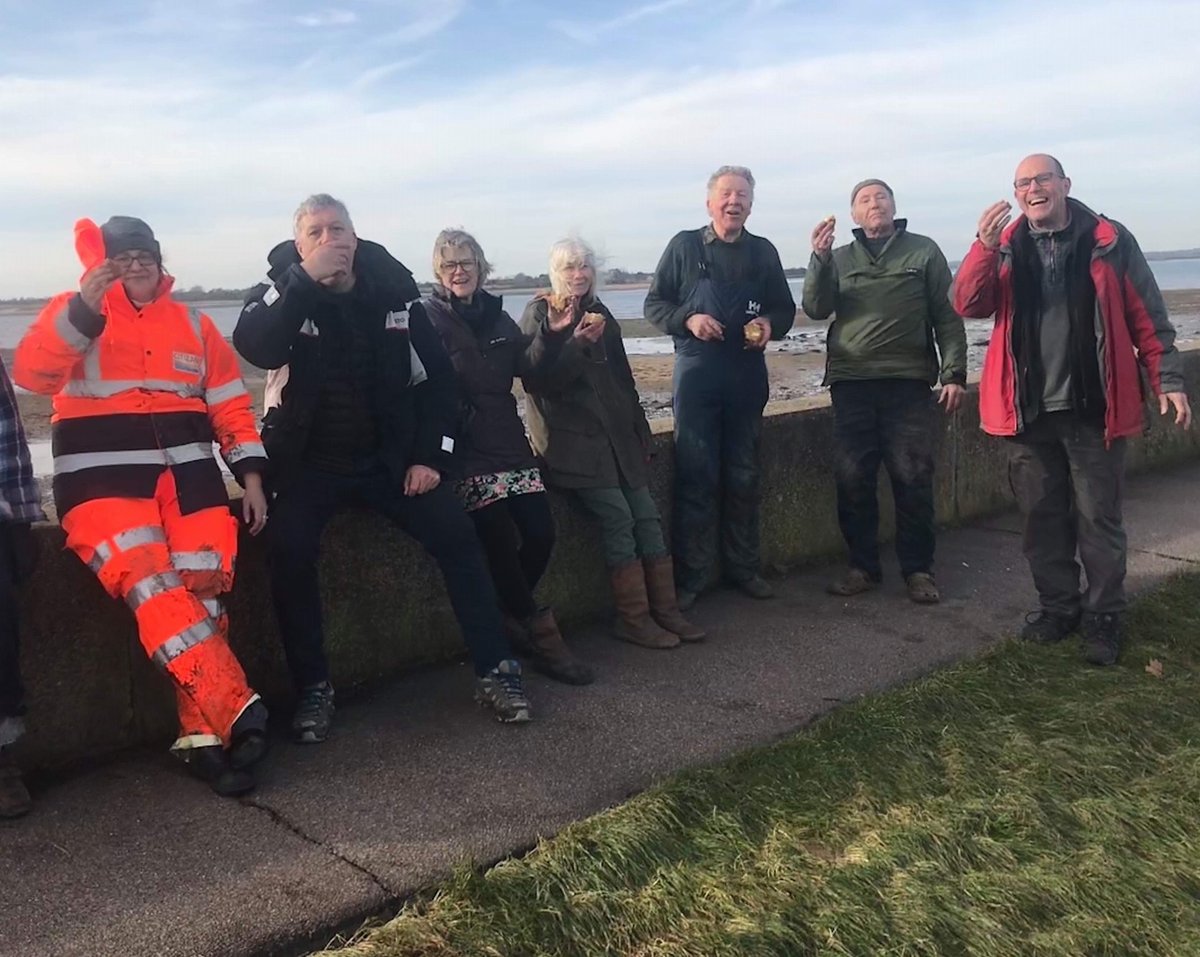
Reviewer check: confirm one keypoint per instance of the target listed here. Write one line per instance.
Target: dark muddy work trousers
(1069, 488)
(517, 534)
(718, 427)
(893, 422)
(630, 526)
(435, 519)
(12, 694)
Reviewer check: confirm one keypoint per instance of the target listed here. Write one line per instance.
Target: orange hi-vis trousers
(170, 568)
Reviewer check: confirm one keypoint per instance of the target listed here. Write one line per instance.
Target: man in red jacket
(1077, 311)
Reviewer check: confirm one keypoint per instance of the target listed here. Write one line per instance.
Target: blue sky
(526, 121)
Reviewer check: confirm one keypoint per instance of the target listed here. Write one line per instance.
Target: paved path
(135, 858)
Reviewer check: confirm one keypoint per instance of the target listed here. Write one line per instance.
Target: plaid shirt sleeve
(20, 497)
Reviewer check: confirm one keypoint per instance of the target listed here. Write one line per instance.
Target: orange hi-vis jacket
(137, 391)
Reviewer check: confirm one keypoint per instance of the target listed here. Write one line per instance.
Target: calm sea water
(624, 303)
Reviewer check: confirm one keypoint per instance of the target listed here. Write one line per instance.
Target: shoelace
(512, 684)
(311, 704)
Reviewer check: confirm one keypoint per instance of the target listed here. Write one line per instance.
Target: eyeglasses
(1042, 179)
(450, 265)
(125, 260)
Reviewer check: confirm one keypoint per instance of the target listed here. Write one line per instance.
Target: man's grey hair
(742, 171)
(569, 252)
(451, 238)
(316, 203)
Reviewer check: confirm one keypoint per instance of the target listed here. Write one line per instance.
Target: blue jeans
(435, 519)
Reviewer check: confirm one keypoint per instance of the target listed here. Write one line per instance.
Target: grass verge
(1019, 804)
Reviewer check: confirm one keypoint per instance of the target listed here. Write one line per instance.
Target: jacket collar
(900, 224)
(1105, 232)
(372, 262)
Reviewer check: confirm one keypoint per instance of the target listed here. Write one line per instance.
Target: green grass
(1022, 803)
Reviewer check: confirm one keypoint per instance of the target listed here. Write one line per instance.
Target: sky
(524, 121)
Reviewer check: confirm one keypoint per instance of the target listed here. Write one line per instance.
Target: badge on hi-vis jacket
(186, 362)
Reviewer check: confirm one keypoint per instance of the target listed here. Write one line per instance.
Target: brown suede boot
(550, 654)
(634, 623)
(14, 797)
(664, 609)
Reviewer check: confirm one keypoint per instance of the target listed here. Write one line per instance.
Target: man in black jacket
(721, 293)
(367, 417)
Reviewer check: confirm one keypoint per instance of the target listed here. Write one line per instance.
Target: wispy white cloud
(590, 31)
(328, 18)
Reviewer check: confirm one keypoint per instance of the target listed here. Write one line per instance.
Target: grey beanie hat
(870, 182)
(125, 233)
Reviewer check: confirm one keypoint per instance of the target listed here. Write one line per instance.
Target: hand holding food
(822, 237)
(756, 333)
(561, 311)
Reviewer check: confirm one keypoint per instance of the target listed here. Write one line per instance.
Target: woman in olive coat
(586, 423)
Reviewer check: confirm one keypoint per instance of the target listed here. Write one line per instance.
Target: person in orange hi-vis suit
(143, 386)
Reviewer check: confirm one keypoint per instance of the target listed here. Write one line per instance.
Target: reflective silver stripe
(222, 393)
(150, 586)
(188, 452)
(196, 561)
(173, 455)
(96, 388)
(309, 329)
(214, 606)
(176, 645)
(123, 541)
(246, 450)
(91, 368)
(69, 334)
(198, 328)
(90, 460)
(139, 535)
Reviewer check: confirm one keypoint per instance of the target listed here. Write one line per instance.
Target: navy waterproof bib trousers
(720, 391)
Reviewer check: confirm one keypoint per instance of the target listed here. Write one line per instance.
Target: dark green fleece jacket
(892, 313)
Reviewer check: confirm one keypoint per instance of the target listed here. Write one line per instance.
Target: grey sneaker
(314, 714)
(502, 690)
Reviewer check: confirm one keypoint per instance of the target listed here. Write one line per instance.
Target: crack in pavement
(1140, 551)
(277, 817)
(1174, 558)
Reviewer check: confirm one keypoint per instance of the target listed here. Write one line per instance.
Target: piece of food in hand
(558, 302)
(830, 219)
(754, 332)
(591, 319)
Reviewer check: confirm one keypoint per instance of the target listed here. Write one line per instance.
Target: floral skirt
(479, 491)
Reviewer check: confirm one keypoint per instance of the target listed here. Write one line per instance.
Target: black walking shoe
(314, 714)
(248, 742)
(1102, 639)
(502, 690)
(1046, 628)
(211, 765)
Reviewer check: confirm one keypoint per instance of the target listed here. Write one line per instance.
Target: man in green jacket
(888, 291)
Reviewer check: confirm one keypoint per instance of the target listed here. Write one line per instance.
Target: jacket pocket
(572, 453)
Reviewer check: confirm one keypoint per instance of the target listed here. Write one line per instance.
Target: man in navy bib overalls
(721, 293)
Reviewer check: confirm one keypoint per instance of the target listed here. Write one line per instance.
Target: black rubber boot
(248, 742)
(212, 766)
